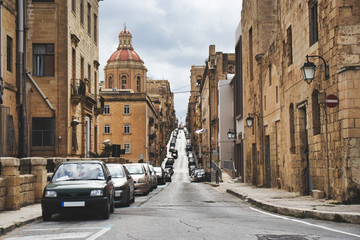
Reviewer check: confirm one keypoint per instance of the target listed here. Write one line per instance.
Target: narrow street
(185, 210)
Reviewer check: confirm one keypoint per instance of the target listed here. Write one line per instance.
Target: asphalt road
(185, 210)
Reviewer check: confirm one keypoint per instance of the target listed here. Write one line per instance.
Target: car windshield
(135, 169)
(116, 171)
(79, 171)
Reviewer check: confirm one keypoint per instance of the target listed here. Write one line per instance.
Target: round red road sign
(331, 101)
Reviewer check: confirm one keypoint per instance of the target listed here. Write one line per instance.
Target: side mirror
(48, 178)
(128, 177)
(109, 178)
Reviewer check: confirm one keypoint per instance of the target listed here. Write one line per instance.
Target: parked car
(192, 162)
(140, 176)
(188, 147)
(169, 162)
(123, 184)
(172, 148)
(174, 154)
(198, 175)
(85, 185)
(153, 176)
(169, 171)
(160, 174)
(191, 168)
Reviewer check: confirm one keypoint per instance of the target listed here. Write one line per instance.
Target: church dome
(125, 51)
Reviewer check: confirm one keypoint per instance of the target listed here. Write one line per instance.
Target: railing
(78, 87)
(229, 166)
(217, 170)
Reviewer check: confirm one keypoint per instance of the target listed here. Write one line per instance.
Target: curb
(8, 228)
(300, 213)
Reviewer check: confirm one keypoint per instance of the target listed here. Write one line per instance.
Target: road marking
(103, 231)
(306, 223)
(54, 237)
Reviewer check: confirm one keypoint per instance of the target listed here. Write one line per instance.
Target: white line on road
(303, 222)
(103, 231)
(54, 237)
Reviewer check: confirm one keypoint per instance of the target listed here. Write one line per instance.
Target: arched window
(292, 128)
(123, 82)
(110, 82)
(138, 83)
(316, 112)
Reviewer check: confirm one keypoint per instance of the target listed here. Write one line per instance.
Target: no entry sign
(331, 101)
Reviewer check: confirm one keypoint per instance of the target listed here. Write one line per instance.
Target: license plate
(73, 204)
(117, 193)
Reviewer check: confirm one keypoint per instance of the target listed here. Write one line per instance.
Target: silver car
(140, 176)
(123, 184)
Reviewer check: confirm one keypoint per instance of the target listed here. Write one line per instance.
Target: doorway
(307, 185)
(267, 162)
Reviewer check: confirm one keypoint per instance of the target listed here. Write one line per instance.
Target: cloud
(170, 36)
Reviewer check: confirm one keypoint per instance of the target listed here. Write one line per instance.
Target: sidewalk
(290, 203)
(9, 220)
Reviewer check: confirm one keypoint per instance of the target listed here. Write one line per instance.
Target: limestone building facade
(193, 118)
(138, 112)
(218, 66)
(297, 142)
(56, 76)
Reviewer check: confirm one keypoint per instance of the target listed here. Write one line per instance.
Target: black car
(169, 162)
(174, 154)
(79, 185)
(188, 147)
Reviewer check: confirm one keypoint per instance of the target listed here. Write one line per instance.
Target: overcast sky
(170, 36)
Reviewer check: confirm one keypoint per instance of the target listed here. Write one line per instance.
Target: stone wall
(19, 190)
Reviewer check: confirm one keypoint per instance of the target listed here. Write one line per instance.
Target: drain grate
(281, 237)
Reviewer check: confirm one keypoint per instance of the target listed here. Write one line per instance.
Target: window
(126, 109)
(89, 79)
(110, 82)
(82, 68)
(126, 128)
(138, 84)
(73, 65)
(82, 11)
(316, 112)
(73, 5)
(313, 22)
(89, 18)
(9, 57)
(265, 102)
(289, 46)
(292, 128)
(251, 54)
(277, 94)
(43, 132)
(107, 109)
(95, 28)
(127, 147)
(269, 74)
(123, 82)
(43, 60)
(107, 129)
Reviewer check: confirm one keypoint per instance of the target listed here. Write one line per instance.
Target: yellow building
(57, 101)
(130, 118)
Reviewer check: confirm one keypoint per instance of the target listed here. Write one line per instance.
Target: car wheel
(133, 198)
(112, 207)
(106, 211)
(127, 203)
(46, 216)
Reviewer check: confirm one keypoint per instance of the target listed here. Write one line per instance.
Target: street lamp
(308, 69)
(250, 119)
(231, 134)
